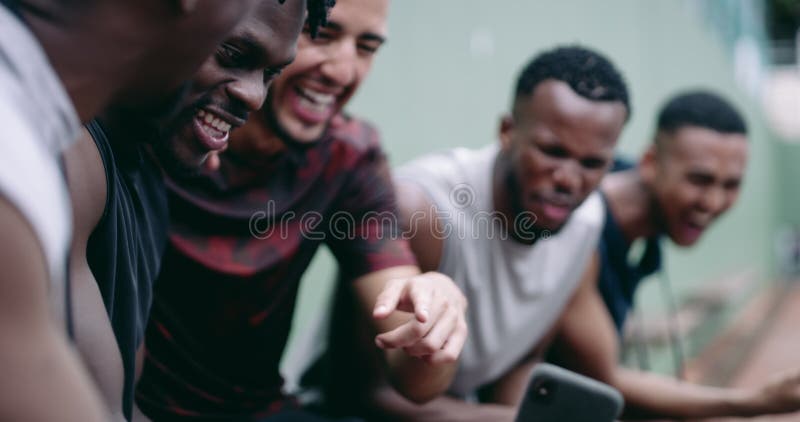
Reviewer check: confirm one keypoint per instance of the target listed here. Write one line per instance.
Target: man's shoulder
(591, 213)
(354, 133)
(456, 165)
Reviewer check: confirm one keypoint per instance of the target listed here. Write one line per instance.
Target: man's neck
(257, 141)
(631, 204)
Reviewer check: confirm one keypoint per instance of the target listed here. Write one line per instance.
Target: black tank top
(124, 250)
(13, 6)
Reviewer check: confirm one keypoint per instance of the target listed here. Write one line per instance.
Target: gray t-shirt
(39, 122)
(516, 292)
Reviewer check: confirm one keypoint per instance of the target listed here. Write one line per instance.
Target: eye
(593, 163)
(701, 180)
(271, 73)
(553, 151)
(229, 55)
(733, 185)
(368, 49)
(323, 35)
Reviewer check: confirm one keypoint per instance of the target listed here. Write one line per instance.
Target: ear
(505, 131)
(648, 164)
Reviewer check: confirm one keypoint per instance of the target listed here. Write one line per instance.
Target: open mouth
(553, 209)
(314, 106)
(212, 129)
(692, 230)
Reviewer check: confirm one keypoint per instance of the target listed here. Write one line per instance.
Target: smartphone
(557, 395)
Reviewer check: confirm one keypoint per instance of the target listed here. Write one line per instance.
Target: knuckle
(447, 356)
(427, 346)
(418, 330)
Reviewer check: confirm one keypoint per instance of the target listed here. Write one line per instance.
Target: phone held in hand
(557, 395)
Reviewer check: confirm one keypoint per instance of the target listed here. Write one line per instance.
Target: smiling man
(118, 191)
(62, 63)
(515, 224)
(687, 178)
(242, 237)
(539, 284)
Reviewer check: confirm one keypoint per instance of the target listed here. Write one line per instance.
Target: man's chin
(178, 161)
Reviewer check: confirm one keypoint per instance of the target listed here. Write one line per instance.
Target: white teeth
(213, 121)
(319, 97)
(318, 108)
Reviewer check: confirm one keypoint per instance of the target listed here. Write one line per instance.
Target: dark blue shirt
(619, 278)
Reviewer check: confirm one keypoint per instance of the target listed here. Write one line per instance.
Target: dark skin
(555, 150)
(684, 181)
(263, 45)
(157, 45)
(41, 362)
(702, 179)
(77, 37)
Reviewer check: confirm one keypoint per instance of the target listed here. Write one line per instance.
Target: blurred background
(446, 75)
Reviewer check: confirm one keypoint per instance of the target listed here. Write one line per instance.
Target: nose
(250, 90)
(567, 176)
(340, 66)
(713, 200)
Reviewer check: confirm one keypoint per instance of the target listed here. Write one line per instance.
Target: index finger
(387, 300)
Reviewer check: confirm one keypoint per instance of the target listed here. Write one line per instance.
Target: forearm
(650, 395)
(416, 379)
(389, 405)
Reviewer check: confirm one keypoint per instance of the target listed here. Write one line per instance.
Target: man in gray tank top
(517, 225)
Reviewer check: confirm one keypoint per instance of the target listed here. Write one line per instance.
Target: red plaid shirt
(240, 240)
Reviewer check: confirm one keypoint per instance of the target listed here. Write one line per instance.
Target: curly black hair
(317, 14)
(589, 73)
(703, 109)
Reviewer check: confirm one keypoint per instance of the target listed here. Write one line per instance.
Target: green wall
(446, 75)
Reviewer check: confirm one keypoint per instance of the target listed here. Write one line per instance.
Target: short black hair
(589, 73)
(703, 109)
(317, 14)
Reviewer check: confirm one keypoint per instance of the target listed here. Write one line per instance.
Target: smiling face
(328, 69)
(234, 82)
(695, 175)
(559, 145)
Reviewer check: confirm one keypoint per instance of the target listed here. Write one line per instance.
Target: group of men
(153, 257)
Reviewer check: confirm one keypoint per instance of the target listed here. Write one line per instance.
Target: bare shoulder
(86, 177)
(420, 224)
(25, 276)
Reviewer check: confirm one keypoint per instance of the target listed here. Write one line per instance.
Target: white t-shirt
(38, 122)
(516, 292)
